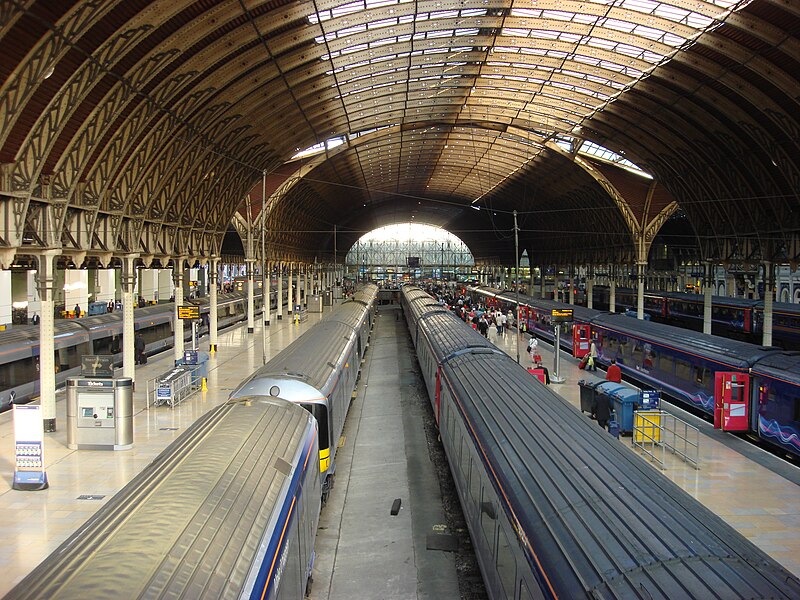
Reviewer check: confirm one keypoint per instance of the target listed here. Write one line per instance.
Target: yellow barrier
(648, 430)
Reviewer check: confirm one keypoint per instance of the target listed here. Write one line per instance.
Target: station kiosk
(99, 407)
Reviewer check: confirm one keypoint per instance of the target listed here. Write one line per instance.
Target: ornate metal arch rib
(140, 126)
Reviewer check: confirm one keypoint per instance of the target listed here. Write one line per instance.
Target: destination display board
(97, 365)
(561, 315)
(188, 312)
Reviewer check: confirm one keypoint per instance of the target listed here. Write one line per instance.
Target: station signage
(188, 312)
(561, 315)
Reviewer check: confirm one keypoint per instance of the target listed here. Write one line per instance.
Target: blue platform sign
(650, 399)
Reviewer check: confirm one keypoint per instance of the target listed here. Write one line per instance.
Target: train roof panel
(601, 521)
(349, 313)
(311, 358)
(733, 352)
(203, 547)
(782, 365)
(449, 334)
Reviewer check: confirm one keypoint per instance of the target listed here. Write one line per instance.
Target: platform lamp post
(516, 277)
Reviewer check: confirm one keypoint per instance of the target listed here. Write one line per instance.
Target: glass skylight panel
(643, 6)
(526, 12)
(618, 25)
(591, 149)
(558, 15)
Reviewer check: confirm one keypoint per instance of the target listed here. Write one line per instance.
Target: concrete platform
(362, 550)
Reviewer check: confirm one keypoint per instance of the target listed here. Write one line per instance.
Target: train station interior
(196, 183)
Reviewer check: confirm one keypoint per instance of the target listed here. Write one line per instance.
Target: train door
(581, 340)
(748, 320)
(731, 406)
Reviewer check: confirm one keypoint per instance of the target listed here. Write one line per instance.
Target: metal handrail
(193, 384)
(667, 432)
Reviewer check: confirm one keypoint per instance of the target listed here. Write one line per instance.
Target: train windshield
(320, 413)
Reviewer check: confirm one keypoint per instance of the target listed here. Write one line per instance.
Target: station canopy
(147, 126)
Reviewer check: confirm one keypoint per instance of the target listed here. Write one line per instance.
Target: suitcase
(584, 360)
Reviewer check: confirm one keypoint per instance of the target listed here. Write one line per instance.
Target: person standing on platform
(591, 365)
(77, 310)
(540, 368)
(614, 373)
(483, 326)
(138, 349)
(601, 409)
(533, 350)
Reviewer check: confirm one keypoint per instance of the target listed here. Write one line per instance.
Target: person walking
(483, 326)
(614, 373)
(601, 409)
(592, 364)
(77, 310)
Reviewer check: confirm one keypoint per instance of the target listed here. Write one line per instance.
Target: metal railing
(656, 431)
(174, 387)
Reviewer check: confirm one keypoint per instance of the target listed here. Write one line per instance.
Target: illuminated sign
(561, 315)
(188, 312)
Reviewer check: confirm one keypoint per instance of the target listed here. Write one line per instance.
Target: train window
(464, 458)
(321, 415)
(637, 353)
(666, 363)
(475, 483)
(488, 520)
(524, 592)
(506, 567)
(683, 369)
(700, 375)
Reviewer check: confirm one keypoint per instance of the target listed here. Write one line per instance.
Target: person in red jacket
(614, 373)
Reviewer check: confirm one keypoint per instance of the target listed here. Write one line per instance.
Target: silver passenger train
(231, 508)
(99, 334)
(556, 507)
(228, 510)
(319, 371)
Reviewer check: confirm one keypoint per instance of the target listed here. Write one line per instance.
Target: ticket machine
(99, 413)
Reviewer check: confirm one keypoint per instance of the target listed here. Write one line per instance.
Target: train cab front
(294, 388)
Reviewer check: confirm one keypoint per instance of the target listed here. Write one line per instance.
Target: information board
(561, 315)
(650, 399)
(101, 365)
(29, 471)
(188, 312)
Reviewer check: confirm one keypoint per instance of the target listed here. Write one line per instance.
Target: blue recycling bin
(195, 360)
(624, 400)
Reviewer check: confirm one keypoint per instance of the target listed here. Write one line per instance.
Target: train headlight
(275, 391)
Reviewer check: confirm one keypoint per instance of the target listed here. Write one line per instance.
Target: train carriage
(98, 334)
(319, 371)
(556, 508)
(228, 510)
(775, 394)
